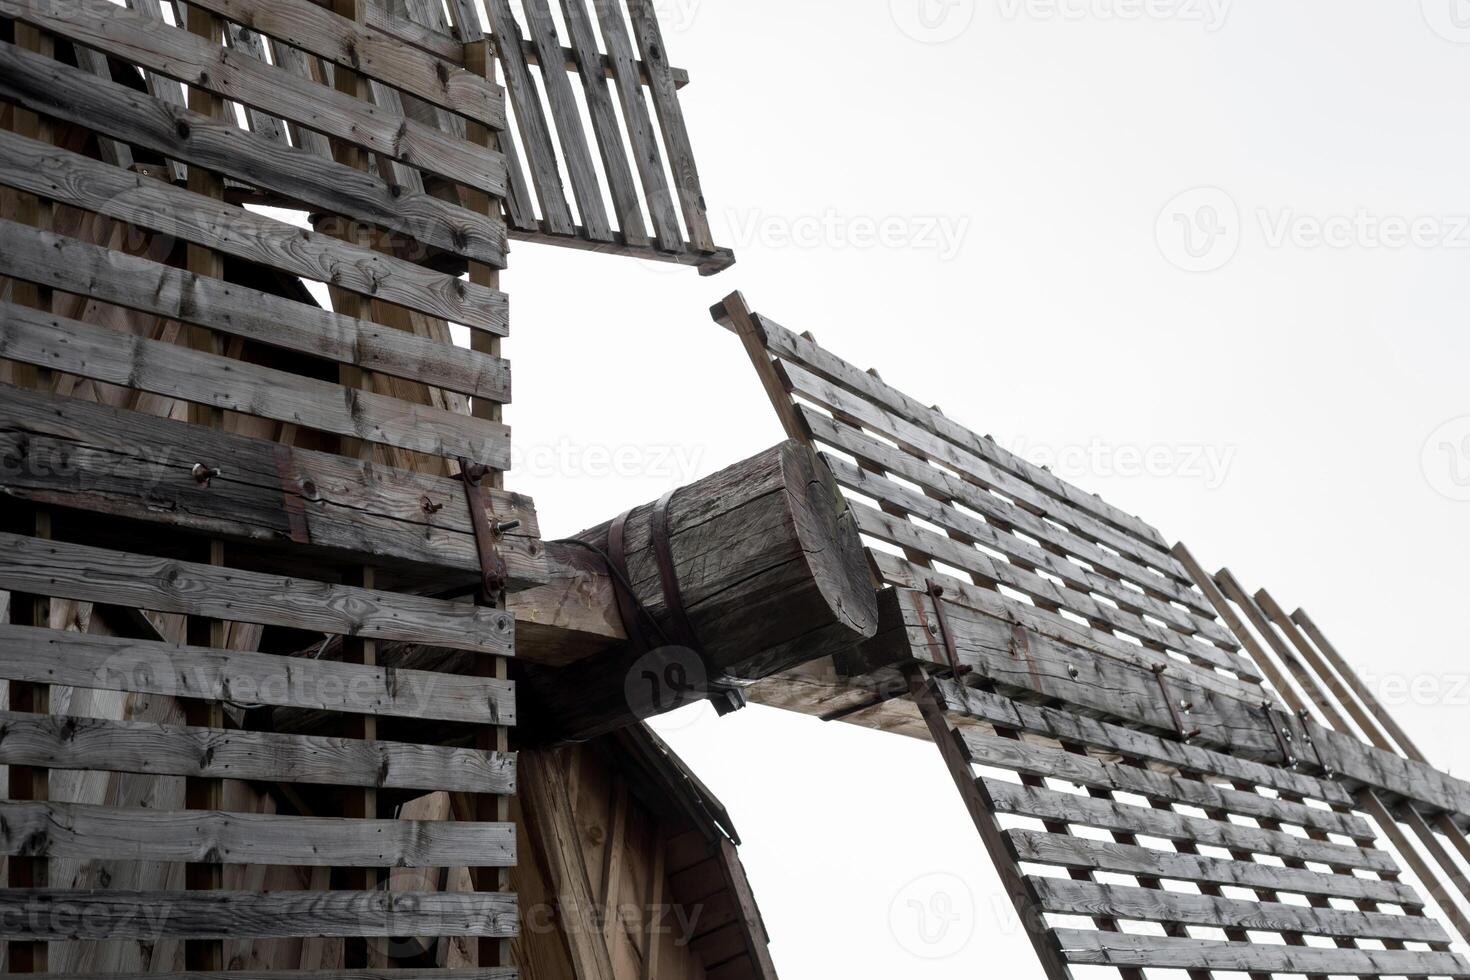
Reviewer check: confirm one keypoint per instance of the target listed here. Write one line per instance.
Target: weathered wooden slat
(905, 534)
(109, 663)
(187, 57)
(297, 174)
(121, 914)
(150, 287)
(171, 210)
(1159, 952)
(63, 742)
(102, 354)
(568, 116)
(245, 40)
(317, 30)
(1023, 757)
(1067, 897)
(1066, 726)
(641, 132)
(86, 832)
(95, 63)
(489, 973)
(1063, 851)
(535, 140)
(671, 122)
(47, 567)
(77, 454)
(1109, 815)
(589, 64)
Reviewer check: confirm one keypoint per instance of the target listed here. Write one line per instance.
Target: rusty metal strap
(630, 610)
(493, 571)
(1175, 707)
(1283, 737)
(668, 578)
(946, 634)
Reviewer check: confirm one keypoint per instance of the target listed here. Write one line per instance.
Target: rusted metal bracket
(1283, 737)
(946, 634)
(494, 573)
(1176, 707)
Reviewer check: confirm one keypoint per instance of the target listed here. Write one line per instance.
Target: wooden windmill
(295, 688)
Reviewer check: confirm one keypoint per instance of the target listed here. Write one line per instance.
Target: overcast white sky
(1043, 173)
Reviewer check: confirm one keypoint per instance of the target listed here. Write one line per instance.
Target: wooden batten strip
(102, 354)
(1071, 808)
(89, 574)
(1164, 953)
(111, 276)
(435, 79)
(120, 914)
(128, 464)
(172, 211)
(88, 832)
(1064, 897)
(218, 144)
(1023, 757)
(110, 663)
(1062, 851)
(65, 742)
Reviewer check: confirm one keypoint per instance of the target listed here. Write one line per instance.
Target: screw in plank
(505, 527)
(203, 474)
(429, 506)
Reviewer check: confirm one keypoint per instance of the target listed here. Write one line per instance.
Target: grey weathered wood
(91, 185)
(1066, 726)
(589, 64)
(121, 914)
(95, 63)
(1034, 760)
(298, 174)
(261, 123)
(642, 136)
(48, 567)
(183, 55)
(488, 973)
(76, 454)
(85, 832)
(671, 121)
(564, 109)
(299, 63)
(33, 337)
(1119, 949)
(321, 32)
(535, 140)
(62, 742)
(111, 276)
(109, 663)
(1062, 851)
(1065, 897)
(1109, 815)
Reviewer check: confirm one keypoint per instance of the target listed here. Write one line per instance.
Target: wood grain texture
(216, 144)
(101, 354)
(121, 914)
(1117, 949)
(61, 742)
(112, 276)
(194, 589)
(72, 830)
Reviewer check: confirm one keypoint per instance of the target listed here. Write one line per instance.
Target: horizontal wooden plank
(73, 571)
(441, 81)
(196, 61)
(120, 914)
(72, 453)
(42, 656)
(111, 276)
(1064, 851)
(1034, 760)
(69, 178)
(1066, 726)
(1028, 801)
(84, 832)
(1084, 898)
(471, 973)
(53, 88)
(1158, 952)
(102, 354)
(61, 742)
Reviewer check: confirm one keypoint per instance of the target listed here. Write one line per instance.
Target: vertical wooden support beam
(612, 864)
(654, 909)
